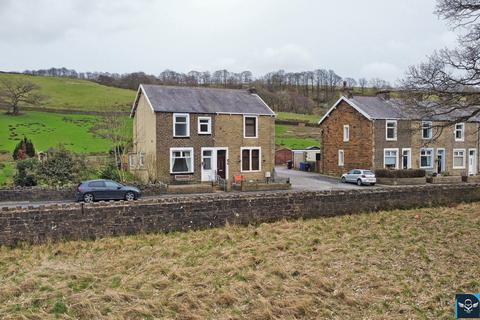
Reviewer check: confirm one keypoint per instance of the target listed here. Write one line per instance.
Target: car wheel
(88, 198)
(343, 180)
(129, 196)
(372, 184)
(359, 182)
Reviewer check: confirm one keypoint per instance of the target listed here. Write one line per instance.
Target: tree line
(299, 92)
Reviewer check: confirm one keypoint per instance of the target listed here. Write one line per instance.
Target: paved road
(302, 180)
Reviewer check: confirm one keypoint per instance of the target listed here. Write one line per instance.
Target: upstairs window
(346, 133)
(250, 127)
(427, 129)
(181, 125)
(459, 132)
(391, 130)
(204, 125)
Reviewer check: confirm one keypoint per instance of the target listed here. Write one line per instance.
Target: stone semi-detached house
(200, 134)
(377, 132)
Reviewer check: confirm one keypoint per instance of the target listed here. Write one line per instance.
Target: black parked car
(92, 190)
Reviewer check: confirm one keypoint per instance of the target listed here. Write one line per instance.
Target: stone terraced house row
(200, 134)
(376, 132)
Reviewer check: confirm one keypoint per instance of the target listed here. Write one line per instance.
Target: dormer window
(426, 129)
(391, 130)
(181, 125)
(460, 132)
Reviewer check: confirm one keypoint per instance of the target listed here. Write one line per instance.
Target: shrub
(110, 171)
(405, 173)
(26, 173)
(62, 167)
(24, 149)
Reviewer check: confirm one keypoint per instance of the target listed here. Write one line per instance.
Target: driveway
(302, 180)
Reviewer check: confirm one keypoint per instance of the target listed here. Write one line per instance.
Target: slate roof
(203, 100)
(375, 107)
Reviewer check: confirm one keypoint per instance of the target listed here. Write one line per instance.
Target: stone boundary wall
(61, 193)
(182, 213)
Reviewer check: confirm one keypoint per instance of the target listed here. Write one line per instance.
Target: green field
(294, 137)
(74, 94)
(312, 118)
(50, 129)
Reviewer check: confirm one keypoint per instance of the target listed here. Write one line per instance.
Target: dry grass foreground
(387, 265)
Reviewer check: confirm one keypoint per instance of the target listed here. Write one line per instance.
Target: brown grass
(388, 265)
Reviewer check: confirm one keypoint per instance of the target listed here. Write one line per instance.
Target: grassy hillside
(312, 118)
(49, 129)
(65, 93)
(387, 265)
(295, 137)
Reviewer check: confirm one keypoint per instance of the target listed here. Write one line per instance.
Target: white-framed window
(426, 158)
(250, 159)
(426, 129)
(459, 158)
(390, 158)
(250, 127)
(141, 160)
(391, 130)
(131, 160)
(346, 133)
(204, 125)
(459, 131)
(181, 160)
(406, 160)
(341, 158)
(181, 125)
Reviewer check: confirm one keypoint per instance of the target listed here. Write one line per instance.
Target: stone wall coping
(205, 198)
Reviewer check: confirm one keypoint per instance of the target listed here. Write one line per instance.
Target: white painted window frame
(141, 159)
(409, 163)
(192, 155)
(187, 116)
(385, 150)
(431, 130)
(432, 153)
(464, 158)
(462, 130)
(256, 126)
(250, 157)
(346, 133)
(395, 131)
(342, 158)
(209, 131)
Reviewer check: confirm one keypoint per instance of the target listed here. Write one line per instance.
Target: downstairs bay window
(181, 160)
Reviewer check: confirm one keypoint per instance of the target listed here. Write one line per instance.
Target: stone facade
(368, 144)
(357, 151)
(183, 213)
(153, 136)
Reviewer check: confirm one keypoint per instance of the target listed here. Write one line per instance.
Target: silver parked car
(360, 177)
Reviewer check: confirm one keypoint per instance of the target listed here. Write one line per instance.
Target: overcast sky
(370, 38)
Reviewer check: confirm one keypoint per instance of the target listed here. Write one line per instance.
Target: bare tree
(115, 127)
(350, 82)
(450, 78)
(362, 82)
(14, 93)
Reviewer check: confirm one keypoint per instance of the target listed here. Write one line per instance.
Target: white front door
(209, 166)
(472, 162)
